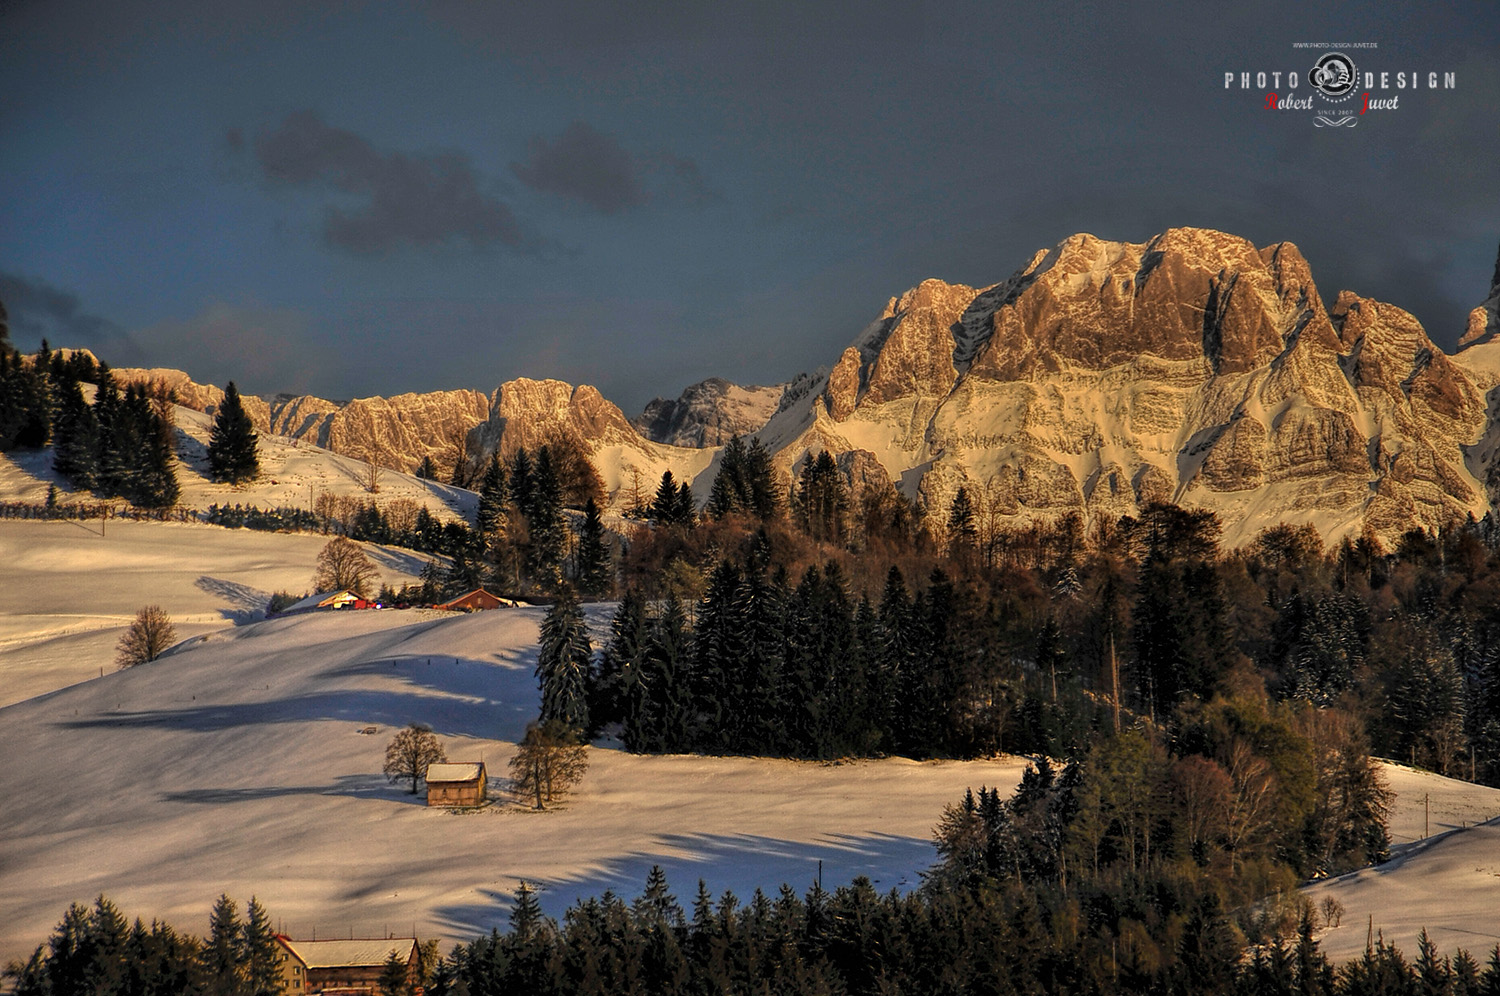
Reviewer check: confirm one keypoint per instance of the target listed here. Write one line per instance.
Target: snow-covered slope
(1447, 882)
(73, 587)
(293, 473)
(708, 413)
(237, 764)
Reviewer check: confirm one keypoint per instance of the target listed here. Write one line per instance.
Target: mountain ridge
(1193, 367)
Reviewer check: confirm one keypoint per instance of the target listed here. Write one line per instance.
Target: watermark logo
(1335, 92)
(1334, 75)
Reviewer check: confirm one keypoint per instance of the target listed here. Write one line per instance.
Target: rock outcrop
(1194, 367)
(708, 413)
(396, 433)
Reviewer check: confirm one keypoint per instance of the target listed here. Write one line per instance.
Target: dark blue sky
(359, 198)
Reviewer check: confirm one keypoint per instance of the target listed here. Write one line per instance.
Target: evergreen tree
(593, 566)
(156, 480)
(75, 452)
(963, 534)
(427, 470)
(223, 951)
(564, 664)
(492, 497)
(261, 952)
(395, 977)
(760, 477)
(684, 510)
(546, 527)
(232, 447)
(520, 482)
(620, 661)
(822, 501)
(664, 507)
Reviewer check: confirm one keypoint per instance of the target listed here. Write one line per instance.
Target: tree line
(941, 938)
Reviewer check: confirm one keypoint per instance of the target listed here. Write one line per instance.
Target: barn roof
(317, 601)
(463, 771)
(343, 954)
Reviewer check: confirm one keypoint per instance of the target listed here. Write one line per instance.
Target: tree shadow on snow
(346, 786)
(738, 862)
(250, 603)
(455, 696)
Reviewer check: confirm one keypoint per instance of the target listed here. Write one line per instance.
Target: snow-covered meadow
(238, 764)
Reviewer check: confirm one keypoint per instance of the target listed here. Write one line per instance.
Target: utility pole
(1426, 814)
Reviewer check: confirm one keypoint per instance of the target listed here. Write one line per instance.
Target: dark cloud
(39, 311)
(583, 164)
(417, 200)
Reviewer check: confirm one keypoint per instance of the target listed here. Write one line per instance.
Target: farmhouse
(347, 967)
(325, 600)
(456, 784)
(475, 601)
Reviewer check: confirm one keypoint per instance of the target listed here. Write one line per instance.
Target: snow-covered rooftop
(343, 953)
(462, 771)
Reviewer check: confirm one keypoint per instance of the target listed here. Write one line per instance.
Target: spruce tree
(593, 566)
(765, 496)
(620, 661)
(664, 506)
(262, 972)
(492, 497)
(684, 509)
(75, 453)
(564, 664)
(545, 524)
(232, 450)
(426, 470)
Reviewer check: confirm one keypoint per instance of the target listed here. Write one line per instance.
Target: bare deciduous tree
(548, 762)
(410, 752)
(342, 564)
(149, 635)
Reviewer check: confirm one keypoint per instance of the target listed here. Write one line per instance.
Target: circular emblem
(1333, 75)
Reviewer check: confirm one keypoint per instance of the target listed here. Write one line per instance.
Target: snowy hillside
(73, 587)
(293, 473)
(1448, 883)
(238, 764)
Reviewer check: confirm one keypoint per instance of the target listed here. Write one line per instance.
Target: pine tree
(620, 661)
(546, 528)
(593, 566)
(765, 496)
(223, 950)
(492, 496)
(156, 481)
(684, 509)
(564, 664)
(427, 470)
(664, 506)
(963, 536)
(262, 973)
(75, 453)
(232, 449)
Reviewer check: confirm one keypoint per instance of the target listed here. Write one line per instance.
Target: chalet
(351, 967)
(326, 600)
(476, 601)
(456, 784)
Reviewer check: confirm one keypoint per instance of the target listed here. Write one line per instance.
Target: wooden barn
(456, 784)
(475, 601)
(351, 966)
(324, 601)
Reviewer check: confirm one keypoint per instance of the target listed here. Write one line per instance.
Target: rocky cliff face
(397, 432)
(1195, 367)
(534, 413)
(708, 413)
(1100, 376)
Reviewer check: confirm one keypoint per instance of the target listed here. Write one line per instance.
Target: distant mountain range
(1194, 367)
